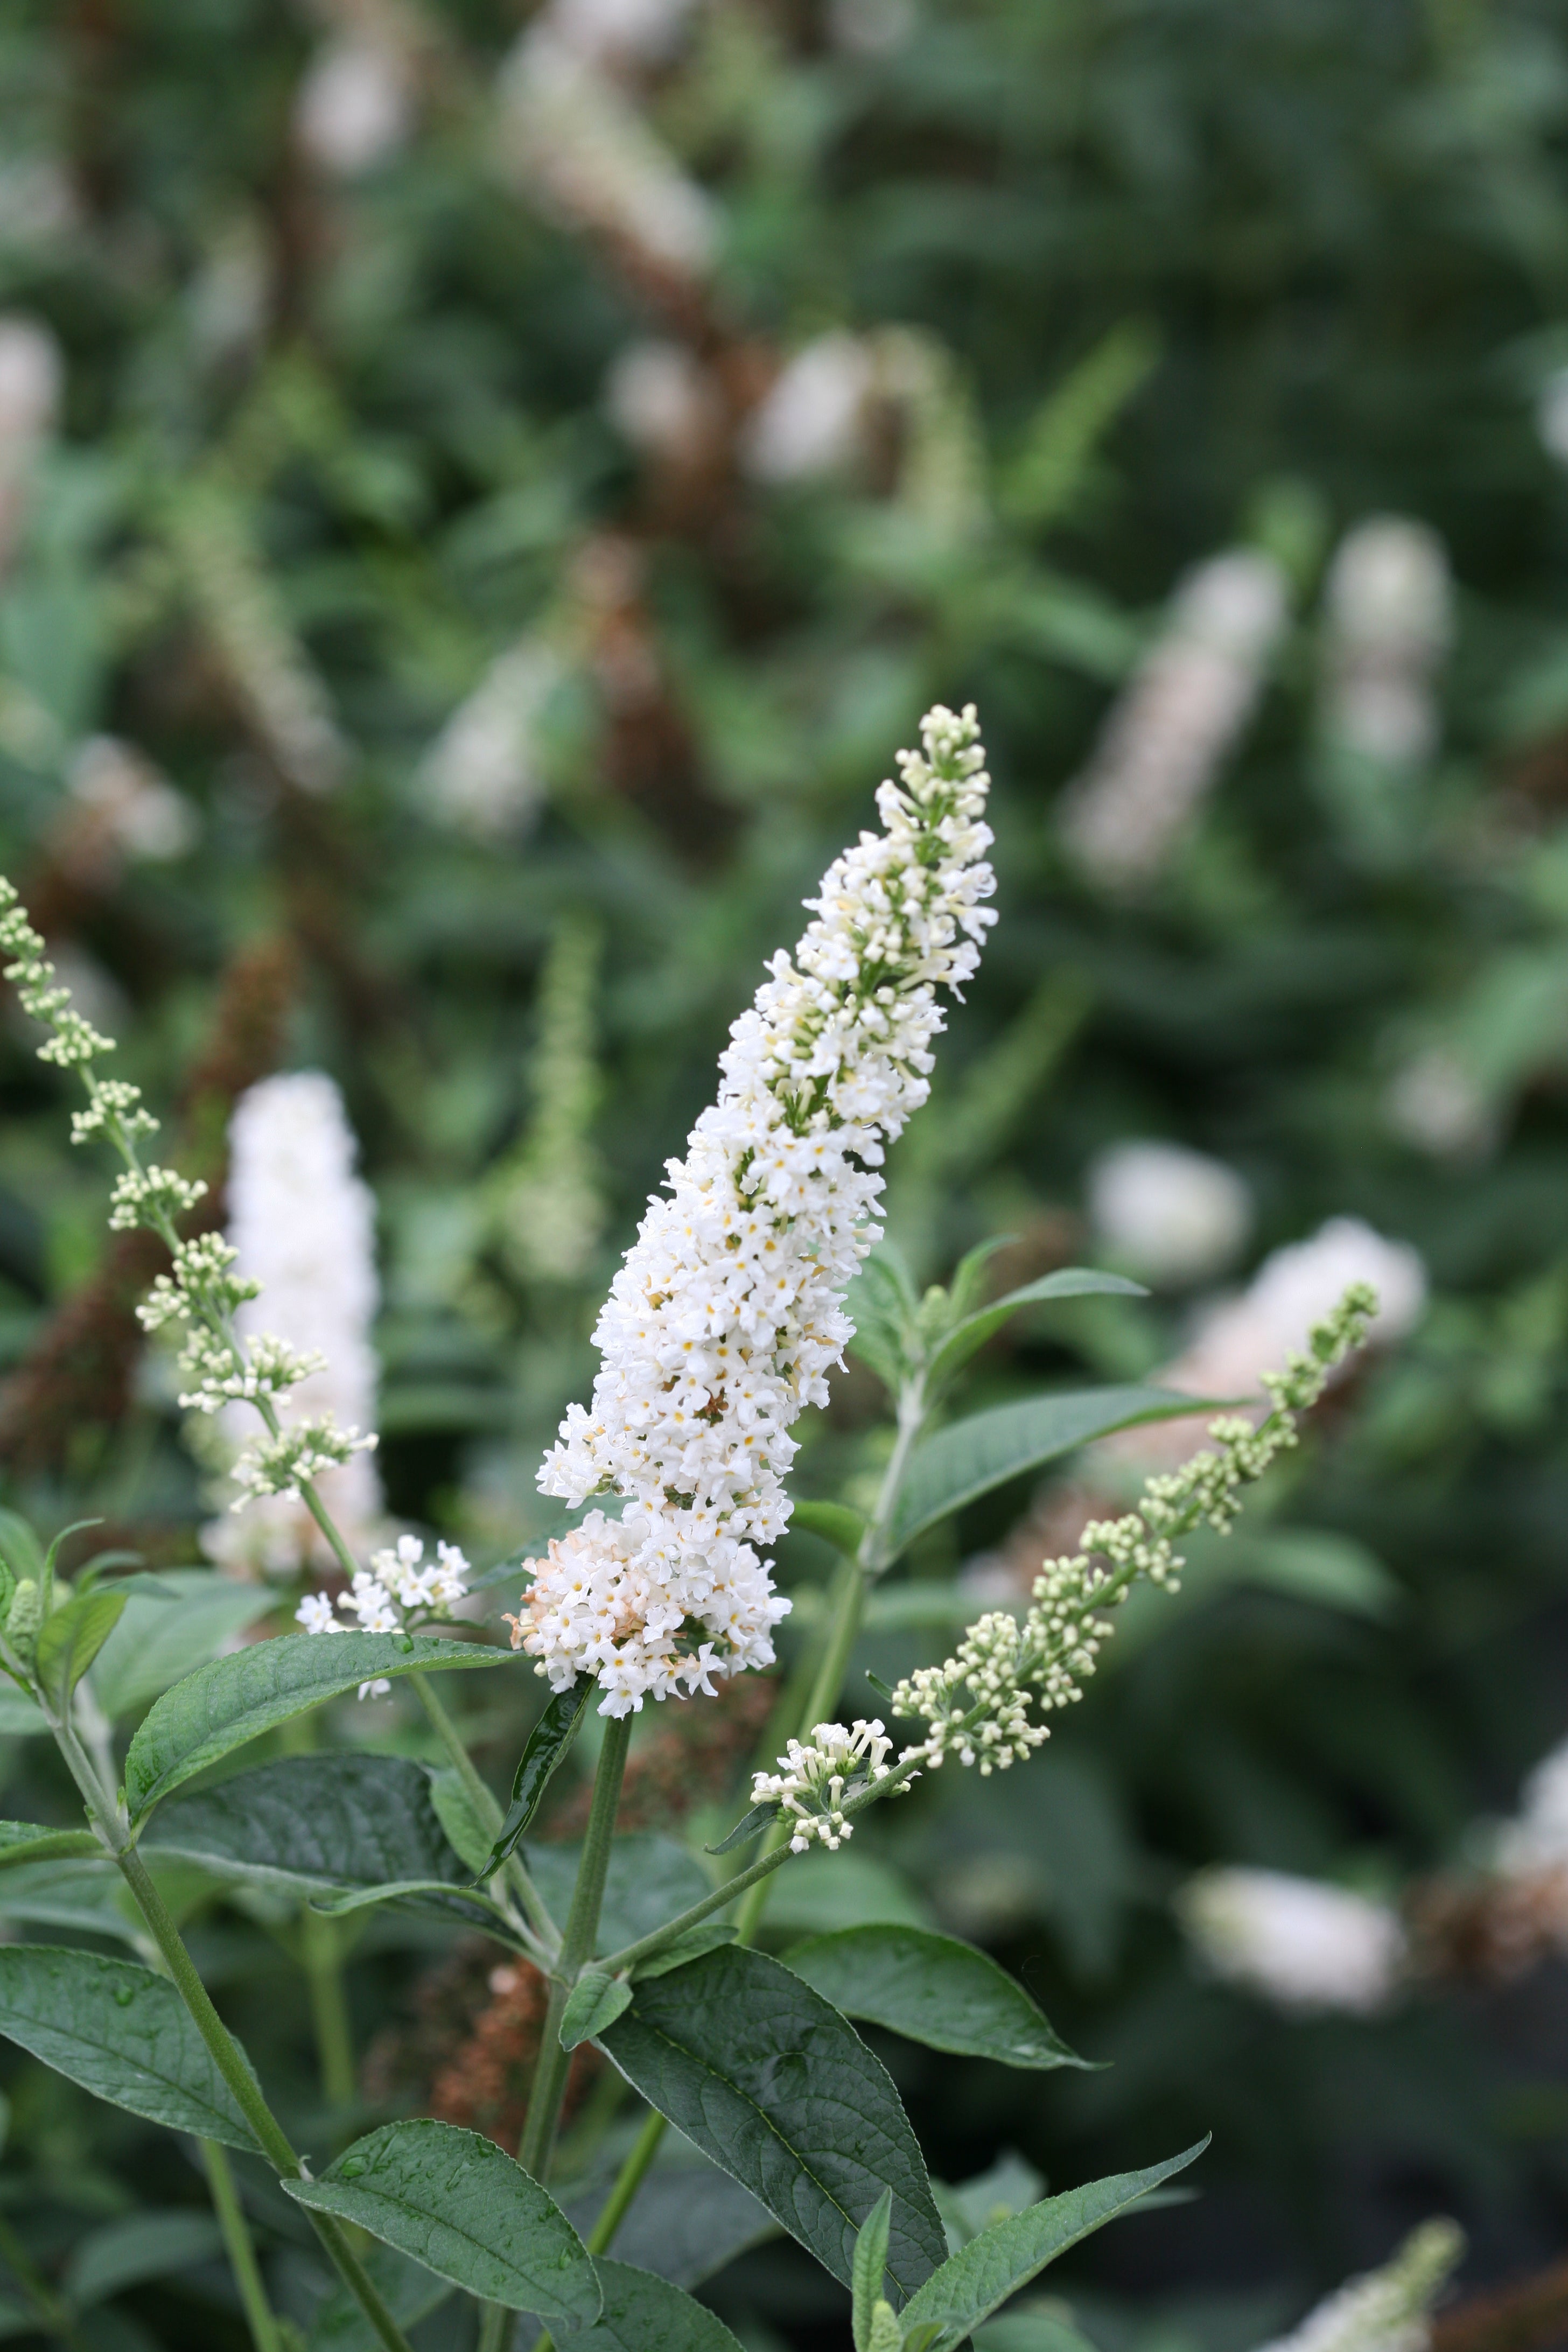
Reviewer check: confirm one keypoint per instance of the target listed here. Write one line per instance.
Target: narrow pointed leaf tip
(870, 2267)
(546, 1745)
(460, 2205)
(934, 1989)
(981, 2276)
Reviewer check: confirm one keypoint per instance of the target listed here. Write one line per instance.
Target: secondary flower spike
(729, 1309)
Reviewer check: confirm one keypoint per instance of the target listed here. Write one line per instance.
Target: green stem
(322, 1953)
(577, 1947)
(52, 2313)
(629, 2179)
(495, 2327)
(489, 1814)
(231, 2221)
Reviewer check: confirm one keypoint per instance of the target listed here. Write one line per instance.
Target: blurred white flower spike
(354, 107)
(302, 1225)
(1303, 1946)
(1386, 2310)
(484, 773)
(1169, 732)
(1173, 1217)
(1388, 620)
(728, 1312)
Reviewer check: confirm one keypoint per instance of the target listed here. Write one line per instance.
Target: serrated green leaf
(222, 1705)
(70, 1639)
(773, 2084)
(972, 1456)
(312, 1824)
(1069, 1282)
(973, 2283)
(869, 2268)
(123, 2033)
(595, 2000)
(25, 1842)
(836, 1523)
(933, 1989)
(545, 1747)
(650, 1881)
(359, 1827)
(751, 1825)
(706, 1937)
(643, 2312)
(143, 2245)
(465, 2209)
(173, 1622)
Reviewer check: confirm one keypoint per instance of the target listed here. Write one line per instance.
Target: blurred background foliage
(434, 648)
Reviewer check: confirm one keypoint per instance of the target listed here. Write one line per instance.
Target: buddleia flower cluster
(1386, 2310)
(400, 1588)
(202, 1292)
(818, 1775)
(1305, 1946)
(977, 1705)
(728, 1311)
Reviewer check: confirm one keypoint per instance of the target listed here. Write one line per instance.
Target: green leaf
(461, 2206)
(175, 1623)
(650, 1881)
(71, 1638)
(934, 1989)
(751, 1825)
(454, 1811)
(547, 1743)
(773, 2085)
(970, 1335)
(869, 2269)
(595, 2000)
(981, 2276)
(706, 1937)
(972, 1456)
(885, 1311)
(645, 2314)
(123, 2033)
(312, 1824)
(836, 1523)
(822, 1892)
(480, 1910)
(143, 2245)
(22, 1841)
(86, 1893)
(222, 1705)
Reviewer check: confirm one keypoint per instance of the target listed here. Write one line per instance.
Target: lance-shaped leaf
(687, 2219)
(980, 2277)
(123, 2033)
(313, 1825)
(645, 2314)
(772, 2082)
(935, 1990)
(465, 2209)
(546, 1745)
(419, 1895)
(143, 2246)
(235, 1700)
(84, 1892)
(173, 1624)
(870, 2267)
(1067, 1282)
(409, 2291)
(595, 2000)
(23, 1842)
(972, 1456)
(71, 1638)
(749, 1826)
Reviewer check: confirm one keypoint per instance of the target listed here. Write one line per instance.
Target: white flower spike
(722, 1322)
